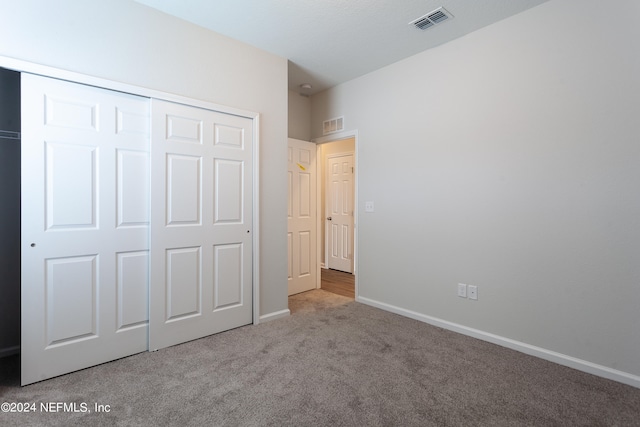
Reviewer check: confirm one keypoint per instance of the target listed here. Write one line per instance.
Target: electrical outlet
(462, 290)
(368, 207)
(473, 292)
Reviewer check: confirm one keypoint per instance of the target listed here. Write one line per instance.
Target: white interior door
(339, 193)
(302, 217)
(85, 226)
(201, 223)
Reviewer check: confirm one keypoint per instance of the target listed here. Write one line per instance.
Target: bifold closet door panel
(85, 226)
(201, 223)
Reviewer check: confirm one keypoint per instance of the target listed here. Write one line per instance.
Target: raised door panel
(345, 205)
(290, 195)
(345, 240)
(184, 129)
(227, 276)
(336, 198)
(130, 120)
(71, 186)
(132, 198)
(304, 195)
(71, 299)
(184, 190)
(305, 261)
(231, 136)
(132, 289)
(335, 241)
(183, 283)
(228, 191)
(68, 111)
(290, 256)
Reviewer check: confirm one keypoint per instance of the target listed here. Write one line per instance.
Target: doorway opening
(322, 219)
(339, 282)
(337, 218)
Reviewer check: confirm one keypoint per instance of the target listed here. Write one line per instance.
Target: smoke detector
(305, 88)
(432, 18)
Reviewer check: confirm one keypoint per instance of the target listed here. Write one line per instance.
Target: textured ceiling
(329, 42)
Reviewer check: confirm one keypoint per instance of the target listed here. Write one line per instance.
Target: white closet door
(85, 226)
(201, 216)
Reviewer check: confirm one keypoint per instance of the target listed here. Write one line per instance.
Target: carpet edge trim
(531, 350)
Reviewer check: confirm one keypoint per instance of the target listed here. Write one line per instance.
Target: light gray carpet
(334, 362)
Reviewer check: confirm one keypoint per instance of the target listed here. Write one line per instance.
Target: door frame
(47, 71)
(335, 137)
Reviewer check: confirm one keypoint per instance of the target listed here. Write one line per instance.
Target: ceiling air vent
(432, 18)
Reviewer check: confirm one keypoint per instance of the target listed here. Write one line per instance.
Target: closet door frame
(46, 71)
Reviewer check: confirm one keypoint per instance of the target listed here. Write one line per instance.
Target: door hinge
(351, 169)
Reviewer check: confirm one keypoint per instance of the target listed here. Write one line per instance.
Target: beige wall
(124, 41)
(508, 159)
(299, 116)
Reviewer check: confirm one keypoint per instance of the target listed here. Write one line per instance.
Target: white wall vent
(333, 125)
(432, 18)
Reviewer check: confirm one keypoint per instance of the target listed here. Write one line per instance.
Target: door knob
(329, 218)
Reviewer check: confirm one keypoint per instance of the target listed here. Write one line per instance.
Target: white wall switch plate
(368, 207)
(473, 292)
(462, 290)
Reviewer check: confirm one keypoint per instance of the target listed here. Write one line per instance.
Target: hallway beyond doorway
(338, 282)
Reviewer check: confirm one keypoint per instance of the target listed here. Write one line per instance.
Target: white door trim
(46, 71)
(339, 136)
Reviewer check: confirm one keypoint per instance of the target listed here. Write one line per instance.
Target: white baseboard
(9, 351)
(275, 315)
(552, 356)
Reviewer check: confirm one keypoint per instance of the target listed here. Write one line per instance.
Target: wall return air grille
(432, 18)
(333, 125)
